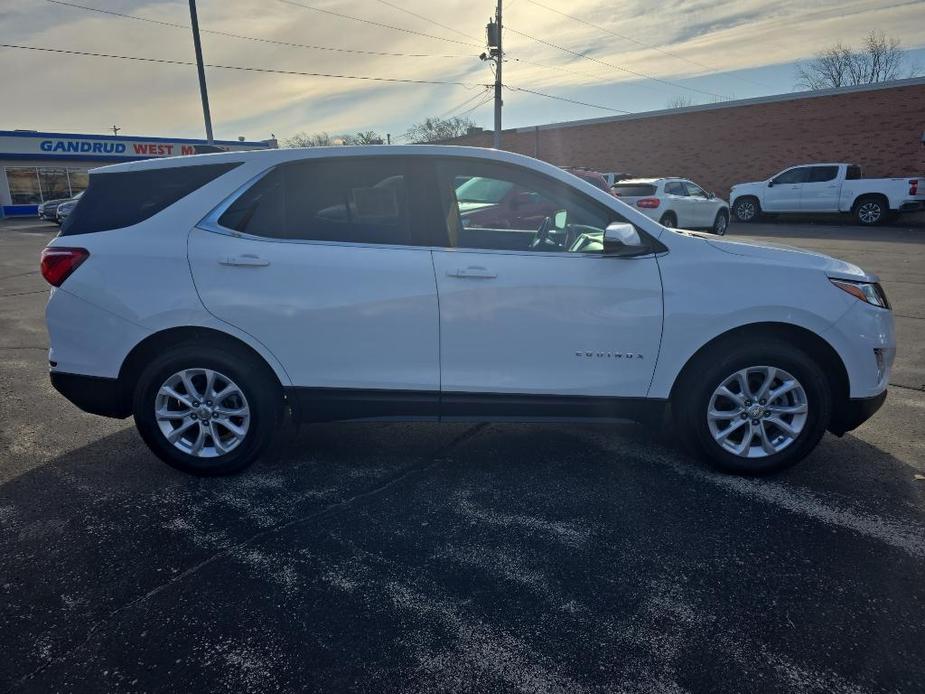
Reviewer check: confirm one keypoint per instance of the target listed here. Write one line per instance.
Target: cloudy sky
(646, 54)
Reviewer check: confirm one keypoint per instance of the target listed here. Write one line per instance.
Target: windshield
(478, 189)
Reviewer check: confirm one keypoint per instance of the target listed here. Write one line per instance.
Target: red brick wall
(879, 129)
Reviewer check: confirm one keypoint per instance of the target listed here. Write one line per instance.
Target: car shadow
(95, 532)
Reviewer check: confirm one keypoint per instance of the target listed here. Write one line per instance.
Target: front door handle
(472, 272)
(245, 260)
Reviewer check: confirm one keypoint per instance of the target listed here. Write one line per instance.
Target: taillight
(648, 203)
(58, 263)
(914, 186)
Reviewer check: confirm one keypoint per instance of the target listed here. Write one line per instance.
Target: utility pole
(495, 53)
(115, 129)
(203, 92)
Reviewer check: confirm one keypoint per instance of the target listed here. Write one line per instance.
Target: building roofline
(124, 138)
(754, 101)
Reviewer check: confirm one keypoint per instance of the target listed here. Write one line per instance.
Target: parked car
(828, 188)
(64, 209)
(210, 295)
(48, 210)
(675, 203)
(595, 178)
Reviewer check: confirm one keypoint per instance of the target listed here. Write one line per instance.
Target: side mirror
(623, 239)
(711, 196)
(560, 219)
(770, 184)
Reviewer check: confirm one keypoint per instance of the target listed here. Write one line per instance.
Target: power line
(377, 24)
(253, 38)
(611, 65)
(426, 19)
(632, 40)
(563, 98)
(243, 68)
(465, 103)
(479, 105)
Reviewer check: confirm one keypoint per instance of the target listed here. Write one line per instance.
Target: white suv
(211, 295)
(675, 203)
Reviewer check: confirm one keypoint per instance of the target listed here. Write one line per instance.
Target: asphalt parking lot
(485, 558)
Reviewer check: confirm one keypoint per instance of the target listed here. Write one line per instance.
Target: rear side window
(117, 200)
(821, 174)
(675, 188)
(348, 200)
(853, 173)
(633, 190)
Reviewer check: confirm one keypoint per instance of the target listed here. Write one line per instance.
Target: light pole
(203, 92)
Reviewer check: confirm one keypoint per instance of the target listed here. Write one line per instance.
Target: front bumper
(93, 394)
(854, 412)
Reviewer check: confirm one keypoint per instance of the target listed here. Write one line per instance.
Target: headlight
(868, 292)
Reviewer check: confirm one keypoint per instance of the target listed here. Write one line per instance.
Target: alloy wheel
(745, 210)
(870, 212)
(202, 412)
(757, 412)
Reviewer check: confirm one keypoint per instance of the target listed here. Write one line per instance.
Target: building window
(54, 184)
(24, 185)
(30, 185)
(79, 180)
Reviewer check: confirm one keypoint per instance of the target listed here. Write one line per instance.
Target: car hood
(788, 255)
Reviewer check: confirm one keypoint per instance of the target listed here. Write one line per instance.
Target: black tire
(747, 209)
(670, 220)
(258, 384)
(872, 210)
(721, 223)
(695, 388)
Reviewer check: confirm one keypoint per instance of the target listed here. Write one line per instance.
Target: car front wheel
(746, 210)
(762, 407)
(721, 223)
(206, 414)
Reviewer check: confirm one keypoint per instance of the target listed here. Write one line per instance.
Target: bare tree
(306, 140)
(439, 129)
(366, 137)
(879, 60)
(679, 101)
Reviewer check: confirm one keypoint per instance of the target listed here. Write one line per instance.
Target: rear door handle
(472, 272)
(245, 261)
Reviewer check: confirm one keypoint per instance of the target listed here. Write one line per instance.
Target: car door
(547, 319)
(785, 190)
(703, 207)
(677, 200)
(322, 261)
(821, 190)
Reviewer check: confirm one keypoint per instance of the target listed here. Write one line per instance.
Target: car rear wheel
(669, 219)
(721, 223)
(871, 211)
(207, 413)
(760, 408)
(746, 209)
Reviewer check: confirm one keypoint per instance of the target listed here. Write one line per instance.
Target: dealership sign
(49, 145)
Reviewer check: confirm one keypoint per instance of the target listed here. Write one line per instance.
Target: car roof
(641, 181)
(272, 157)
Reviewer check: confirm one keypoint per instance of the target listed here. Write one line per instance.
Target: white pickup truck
(827, 188)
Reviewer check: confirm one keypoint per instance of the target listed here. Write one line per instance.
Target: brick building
(879, 126)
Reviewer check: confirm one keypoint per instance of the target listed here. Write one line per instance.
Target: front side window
(345, 199)
(695, 191)
(501, 207)
(797, 175)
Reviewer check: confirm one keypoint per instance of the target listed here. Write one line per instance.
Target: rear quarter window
(633, 190)
(121, 199)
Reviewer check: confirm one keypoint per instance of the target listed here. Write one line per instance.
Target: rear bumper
(93, 394)
(854, 412)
